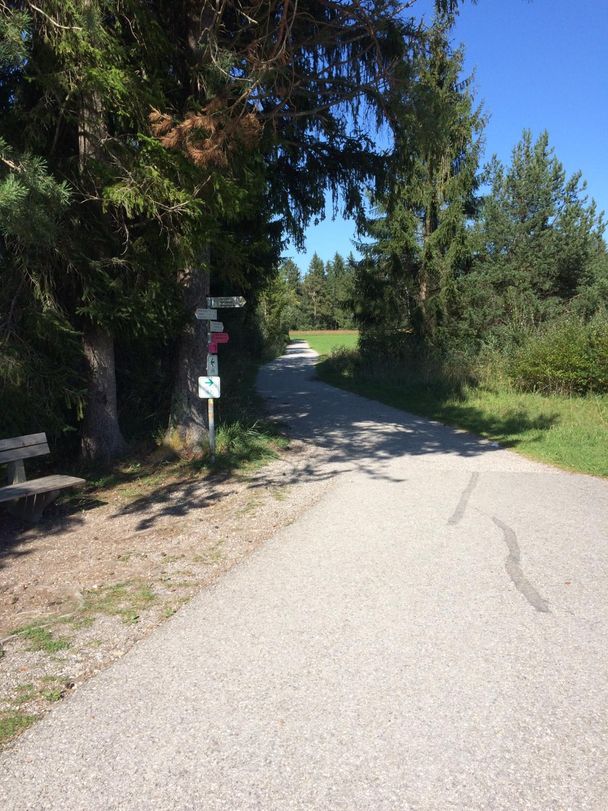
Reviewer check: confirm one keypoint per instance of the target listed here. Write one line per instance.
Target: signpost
(209, 386)
(205, 314)
(225, 301)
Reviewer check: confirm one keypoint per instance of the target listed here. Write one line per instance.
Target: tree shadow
(357, 431)
(58, 518)
(347, 432)
(176, 500)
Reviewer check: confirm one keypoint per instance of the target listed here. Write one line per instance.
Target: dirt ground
(84, 585)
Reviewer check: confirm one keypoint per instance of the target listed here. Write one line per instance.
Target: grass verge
(326, 341)
(13, 723)
(568, 431)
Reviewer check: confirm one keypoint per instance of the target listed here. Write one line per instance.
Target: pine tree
(315, 301)
(538, 242)
(171, 124)
(419, 231)
(340, 290)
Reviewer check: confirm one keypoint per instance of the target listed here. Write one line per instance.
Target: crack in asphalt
(458, 513)
(515, 572)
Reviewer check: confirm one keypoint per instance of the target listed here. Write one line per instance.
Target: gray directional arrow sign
(205, 314)
(226, 301)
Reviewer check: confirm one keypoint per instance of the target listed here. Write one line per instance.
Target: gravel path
(430, 635)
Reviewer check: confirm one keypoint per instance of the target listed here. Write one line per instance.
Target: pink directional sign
(216, 338)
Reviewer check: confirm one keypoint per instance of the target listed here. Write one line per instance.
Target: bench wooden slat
(22, 441)
(26, 452)
(44, 485)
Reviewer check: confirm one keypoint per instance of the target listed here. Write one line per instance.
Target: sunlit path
(430, 635)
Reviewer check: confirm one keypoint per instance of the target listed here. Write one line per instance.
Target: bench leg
(30, 508)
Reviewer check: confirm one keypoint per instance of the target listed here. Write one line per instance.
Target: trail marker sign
(209, 387)
(225, 301)
(205, 314)
(214, 339)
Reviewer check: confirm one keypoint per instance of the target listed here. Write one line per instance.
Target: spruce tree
(418, 231)
(315, 300)
(538, 243)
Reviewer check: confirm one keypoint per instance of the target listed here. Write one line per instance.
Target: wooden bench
(30, 497)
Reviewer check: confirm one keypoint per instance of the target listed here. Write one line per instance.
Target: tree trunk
(430, 226)
(187, 431)
(101, 437)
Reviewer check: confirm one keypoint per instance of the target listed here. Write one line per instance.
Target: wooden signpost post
(209, 386)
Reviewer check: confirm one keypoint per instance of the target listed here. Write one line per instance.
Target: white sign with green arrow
(209, 387)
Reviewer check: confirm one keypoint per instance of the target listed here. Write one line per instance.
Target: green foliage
(104, 213)
(341, 292)
(323, 298)
(419, 237)
(279, 307)
(568, 356)
(315, 295)
(537, 247)
(14, 28)
(32, 203)
(41, 380)
(245, 446)
(537, 230)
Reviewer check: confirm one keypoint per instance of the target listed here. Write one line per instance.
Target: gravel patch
(81, 589)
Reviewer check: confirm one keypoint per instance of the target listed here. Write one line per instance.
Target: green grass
(568, 431)
(24, 693)
(325, 341)
(12, 724)
(243, 446)
(52, 695)
(124, 600)
(41, 639)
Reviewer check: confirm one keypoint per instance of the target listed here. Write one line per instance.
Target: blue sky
(539, 64)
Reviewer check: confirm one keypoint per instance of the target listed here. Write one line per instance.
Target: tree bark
(187, 431)
(102, 439)
(431, 222)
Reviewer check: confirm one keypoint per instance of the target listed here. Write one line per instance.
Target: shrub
(569, 357)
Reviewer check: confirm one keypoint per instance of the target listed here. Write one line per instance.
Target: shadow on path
(351, 429)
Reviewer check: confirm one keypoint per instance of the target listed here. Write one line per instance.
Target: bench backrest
(23, 447)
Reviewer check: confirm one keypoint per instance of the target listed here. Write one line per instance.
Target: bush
(398, 345)
(568, 357)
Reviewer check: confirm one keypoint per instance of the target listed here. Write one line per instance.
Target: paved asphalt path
(430, 635)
